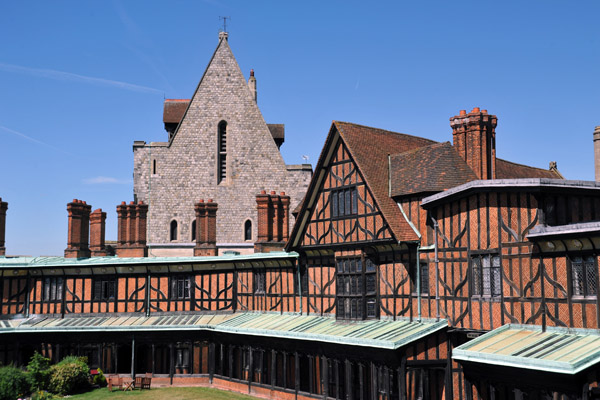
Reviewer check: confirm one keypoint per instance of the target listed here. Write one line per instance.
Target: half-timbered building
(415, 270)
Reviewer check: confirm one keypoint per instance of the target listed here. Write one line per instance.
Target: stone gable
(186, 167)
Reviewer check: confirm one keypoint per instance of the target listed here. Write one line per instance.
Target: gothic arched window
(222, 152)
(173, 230)
(248, 230)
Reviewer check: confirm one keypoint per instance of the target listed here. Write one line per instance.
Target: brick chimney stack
(596, 152)
(206, 228)
(3, 208)
(132, 229)
(273, 221)
(97, 233)
(79, 229)
(474, 138)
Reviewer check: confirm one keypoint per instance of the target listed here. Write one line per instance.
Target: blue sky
(80, 81)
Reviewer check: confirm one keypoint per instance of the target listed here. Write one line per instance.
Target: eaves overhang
(556, 350)
(512, 185)
(383, 334)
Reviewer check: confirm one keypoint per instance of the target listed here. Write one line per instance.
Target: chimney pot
(210, 200)
(123, 203)
(252, 72)
(263, 192)
(474, 139)
(273, 192)
(282, 193)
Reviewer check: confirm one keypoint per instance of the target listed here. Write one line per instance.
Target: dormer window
(222, 152)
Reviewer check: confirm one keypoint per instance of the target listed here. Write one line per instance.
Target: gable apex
(224, 76)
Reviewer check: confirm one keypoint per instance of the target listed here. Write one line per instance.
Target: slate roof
(433, 168)
(383, 333)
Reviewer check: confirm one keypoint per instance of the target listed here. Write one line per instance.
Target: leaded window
(584, 276)
(356, 288)
(423, 277)
(53, 288)
(344, 202)
(104, 288)
(260, 281)
(486, 272)
(180, 287)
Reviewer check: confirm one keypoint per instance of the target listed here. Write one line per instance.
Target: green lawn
(175, 393)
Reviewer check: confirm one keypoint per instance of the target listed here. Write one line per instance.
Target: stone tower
(219, 148)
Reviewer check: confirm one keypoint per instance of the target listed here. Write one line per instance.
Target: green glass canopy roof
(386, 334)
(559, 350)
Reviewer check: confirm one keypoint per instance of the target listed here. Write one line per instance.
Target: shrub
(13, 383)
(42, 395)
(38, 372)
(99, 379)
(69, 376)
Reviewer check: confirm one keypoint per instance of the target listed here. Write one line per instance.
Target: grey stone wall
(187, 166)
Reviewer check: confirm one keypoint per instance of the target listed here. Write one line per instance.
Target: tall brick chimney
(79, 229)
(206, 228)
(97, 233)
(273, 221)
(132, 229)
(474, 138)
(596, 152)
(3, 208)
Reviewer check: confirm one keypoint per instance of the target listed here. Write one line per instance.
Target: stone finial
(252, 85)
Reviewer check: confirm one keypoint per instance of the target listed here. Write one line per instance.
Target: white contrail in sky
(105, 179)
(4, 128)
(68, 76)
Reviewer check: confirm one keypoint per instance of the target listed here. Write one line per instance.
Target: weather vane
(225, 22)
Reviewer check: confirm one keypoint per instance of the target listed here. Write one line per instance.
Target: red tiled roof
(510, 170)
(369, 148)
(432, 168)
(418, 165)
(174, 109)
